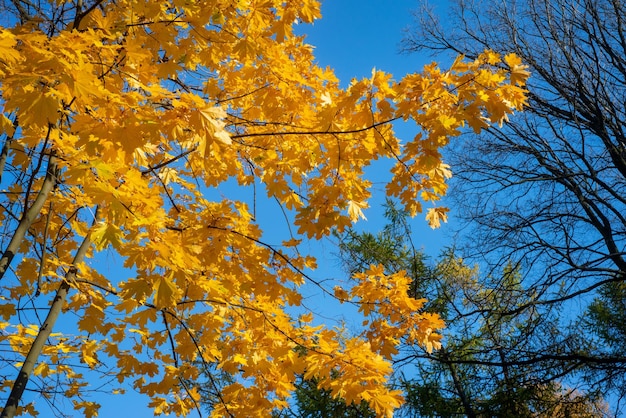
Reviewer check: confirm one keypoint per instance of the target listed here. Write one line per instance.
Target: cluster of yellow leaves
(54, 365)
(141, 107)
(397, 315)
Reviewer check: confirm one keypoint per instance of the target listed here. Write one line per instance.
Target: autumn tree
(548, 190)
(130, 130)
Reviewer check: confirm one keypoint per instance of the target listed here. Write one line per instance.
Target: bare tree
(548, 190)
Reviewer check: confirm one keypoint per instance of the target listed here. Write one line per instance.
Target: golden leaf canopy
(135, 111)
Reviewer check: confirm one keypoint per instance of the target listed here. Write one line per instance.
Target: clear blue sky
(352, 38)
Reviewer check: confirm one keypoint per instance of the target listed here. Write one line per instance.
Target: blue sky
(352, 38)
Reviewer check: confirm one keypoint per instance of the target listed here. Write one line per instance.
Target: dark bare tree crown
(548, 190)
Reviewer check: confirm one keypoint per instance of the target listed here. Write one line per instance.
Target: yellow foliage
(150, 110)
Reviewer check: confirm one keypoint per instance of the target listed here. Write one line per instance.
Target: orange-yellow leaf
(104, 234)
(435, 216)
(165, 294)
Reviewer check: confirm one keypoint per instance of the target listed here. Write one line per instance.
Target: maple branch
(256, 123)
(348, 132)
(164, 312)
(43, 250)
(81, 15)
(204, 363)
(398, 158)
(276, 253)
(167, 192)
(151, 169)
(172, 342)
(253, 309)
(241, 96)
(170, 337)
(178, 82)
(45, 330)
(195, 403)
(163, 164)
(168, 22)
(294, 267)
(282, 209)
(29, 216)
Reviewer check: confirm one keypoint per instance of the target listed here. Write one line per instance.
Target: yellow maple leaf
(518, 72)
(89, 353)
(36, 108)
(6, 126)
(355, 210)
(165, 293)
(7, 310)
(135, 290)
(8, 53)
(435, 216)
(105, 234)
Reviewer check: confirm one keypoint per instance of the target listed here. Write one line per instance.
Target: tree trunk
(29, 216)
(469, 412)
(44, 332)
